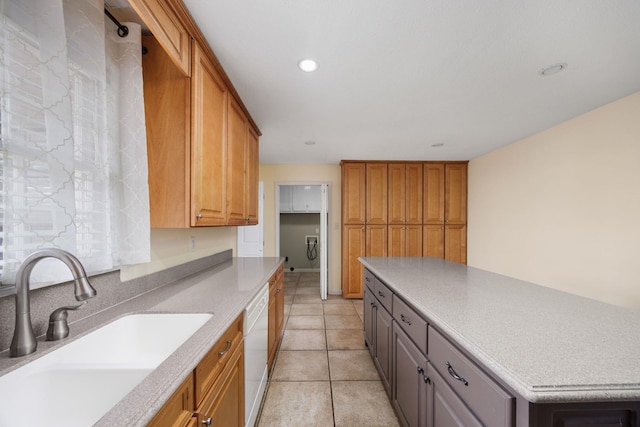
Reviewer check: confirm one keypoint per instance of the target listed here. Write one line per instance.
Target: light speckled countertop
(548, 345)
(224, 290)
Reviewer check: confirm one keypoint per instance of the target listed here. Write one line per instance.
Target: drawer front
(383, 294)
(212, 364)
(369, 280)
(488, 401)
(414, 325)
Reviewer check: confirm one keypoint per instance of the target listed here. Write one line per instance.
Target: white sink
(78, 383)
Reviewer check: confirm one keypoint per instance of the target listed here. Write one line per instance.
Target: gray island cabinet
(459, 346)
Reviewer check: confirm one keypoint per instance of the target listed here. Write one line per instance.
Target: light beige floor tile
(336, 299)
(306, 299)
(361, 403)
(358, 306)
(350, 365)
(305, 322)
(295, 339)
(297, 404)
(334, 321)
(310, 275)
(309, 284)
(350, 339)
(301, 366)
(339, 309)
(308, 291)
(306, 310)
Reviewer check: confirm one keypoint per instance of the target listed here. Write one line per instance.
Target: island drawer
(369, 279)
(383, 294)
(411, 322)
(489, 402)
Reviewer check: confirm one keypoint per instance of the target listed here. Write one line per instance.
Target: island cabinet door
(445, 408)
(369, 320)
(383, 344)
(409, 379)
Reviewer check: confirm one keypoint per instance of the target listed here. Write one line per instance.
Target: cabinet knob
(427, 379)
(207, 422)
(420, 370)
(199, 216)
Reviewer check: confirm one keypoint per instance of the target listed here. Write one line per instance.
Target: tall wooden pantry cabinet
(401, 209)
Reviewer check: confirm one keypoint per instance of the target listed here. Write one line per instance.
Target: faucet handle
(58, 326)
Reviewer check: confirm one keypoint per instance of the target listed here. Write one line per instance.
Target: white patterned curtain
(73, 142)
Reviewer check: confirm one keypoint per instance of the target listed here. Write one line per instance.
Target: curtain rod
(122, 29)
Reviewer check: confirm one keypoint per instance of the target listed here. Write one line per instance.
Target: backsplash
(111, 291)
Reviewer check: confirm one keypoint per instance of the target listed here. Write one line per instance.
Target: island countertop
(548, 345)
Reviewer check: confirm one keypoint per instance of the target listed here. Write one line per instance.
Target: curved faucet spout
(24, 340)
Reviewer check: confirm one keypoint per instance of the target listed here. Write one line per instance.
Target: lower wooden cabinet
(409, 395)
(353, 246)
(276, 314)
(213, 394)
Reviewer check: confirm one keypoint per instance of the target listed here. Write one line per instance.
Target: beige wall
(299, 174)
(562, 207)
(171, 247)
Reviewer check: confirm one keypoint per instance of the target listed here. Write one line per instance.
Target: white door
(251, 237)
(323, 241)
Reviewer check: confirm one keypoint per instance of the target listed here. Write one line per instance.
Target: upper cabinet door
(397, 193)
(376, 193)
(455, 194)
(353, 193)
(208, 147)
(252, 159)
(164, 24)
(413, 201)
(236, 144)
(433, 193)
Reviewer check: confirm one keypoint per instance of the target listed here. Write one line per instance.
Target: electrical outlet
(310, 240)
(192, 243)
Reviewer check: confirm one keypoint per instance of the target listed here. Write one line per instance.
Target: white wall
(273, 174)
(562, 208)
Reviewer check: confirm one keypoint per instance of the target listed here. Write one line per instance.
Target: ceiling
(395, 78)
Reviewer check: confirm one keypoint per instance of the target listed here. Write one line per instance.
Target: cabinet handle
(427, 379)
(420, 370)
(456, 376)
(199, 216)
(381, 294)
(373, 304)
(207, 422)
(405, 320)
(278, 290)
(226, 350)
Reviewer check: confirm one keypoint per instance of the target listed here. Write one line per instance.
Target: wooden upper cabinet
(405, 193)
(455, 194)
(353, 193)
(376, 199)
(252, 160)
(208, 143)
(165, 25)
(236, 145)
(433, 193)
(167, 106)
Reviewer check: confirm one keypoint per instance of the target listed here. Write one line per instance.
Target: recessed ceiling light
(439, 144)
(310, 143)
(307, 65)
(552, 69)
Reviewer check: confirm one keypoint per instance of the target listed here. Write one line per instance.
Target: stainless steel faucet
(24, 340)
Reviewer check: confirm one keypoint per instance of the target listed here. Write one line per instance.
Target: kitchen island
(547, 350)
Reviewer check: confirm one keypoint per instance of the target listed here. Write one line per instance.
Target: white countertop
(548, 345)
(224, 290)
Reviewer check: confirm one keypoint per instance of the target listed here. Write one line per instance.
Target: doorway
(301, 228)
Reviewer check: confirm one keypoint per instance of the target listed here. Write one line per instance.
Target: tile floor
(323, 374)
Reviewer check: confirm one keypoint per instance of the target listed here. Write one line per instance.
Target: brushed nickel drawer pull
(456, 376)
(405, 320)
(381, 294)
(207, 422)
(226, 350)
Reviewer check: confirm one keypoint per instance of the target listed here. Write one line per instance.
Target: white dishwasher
(256, 331)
